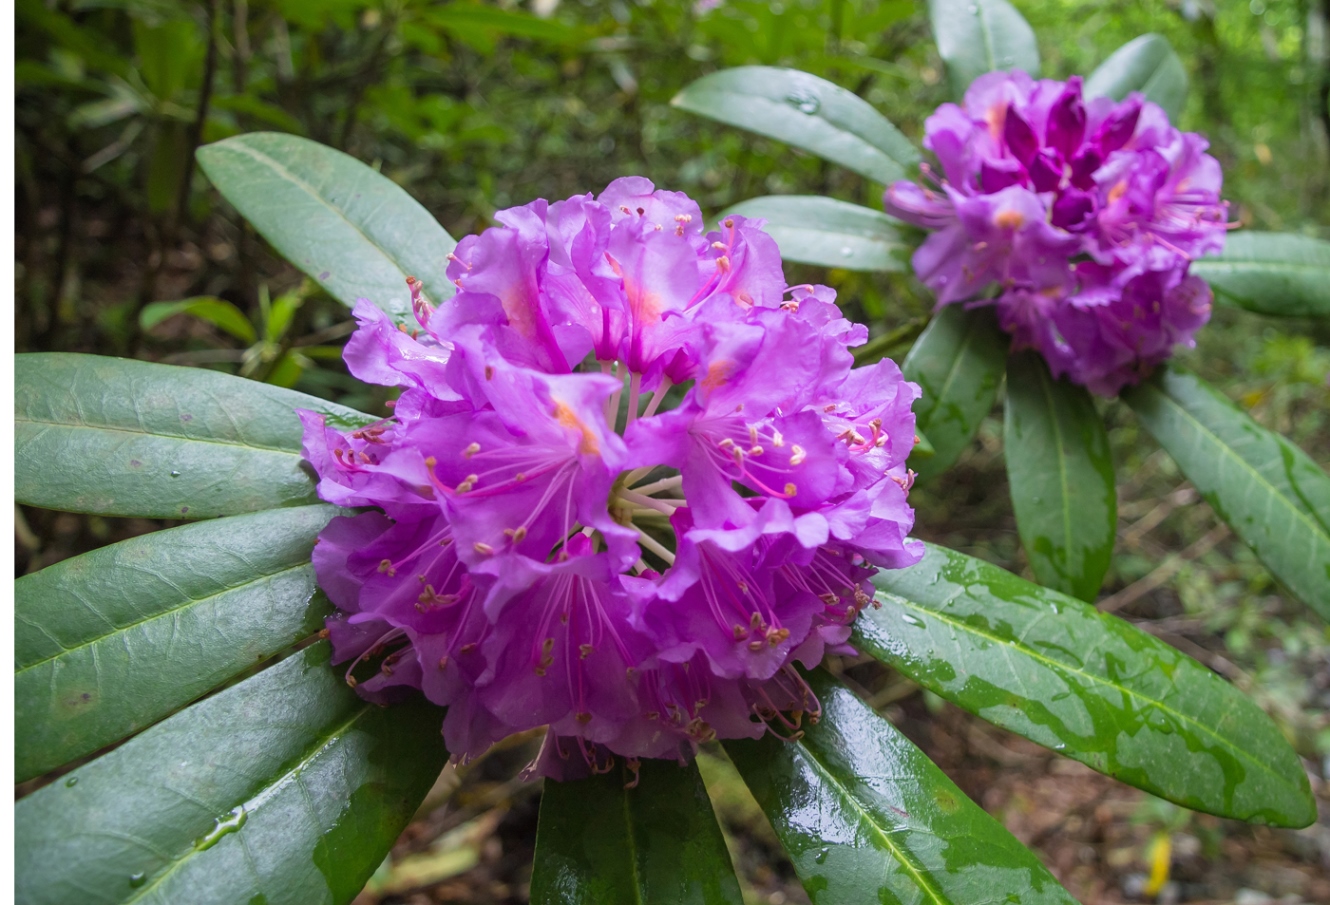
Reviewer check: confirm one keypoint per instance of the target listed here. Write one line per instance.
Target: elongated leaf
(1061, 473)
(866, 817)
(357, 233)
(812, 229)
(807, 112)
(218, 312)
(1280, 274)
(599, 841)
(1147, 64)
(109, 642)
(118, 437)
(1269, 492)
(978, 36)
(958, 363)
(1086, 684)
(285, 789)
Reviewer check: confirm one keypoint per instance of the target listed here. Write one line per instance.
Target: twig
(195, 136)
(1163, 572)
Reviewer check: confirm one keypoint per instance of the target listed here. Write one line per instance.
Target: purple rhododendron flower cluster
(555, 544)
(1085, 214)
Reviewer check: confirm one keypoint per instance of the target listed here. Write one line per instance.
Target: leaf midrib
(917, 872)
(1059, 665)
(312, 752)
(120, 630)
(217, 441)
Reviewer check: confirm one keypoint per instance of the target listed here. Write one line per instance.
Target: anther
(386, 568)
(585, 650)
(791, 490)
(483, 548)
(723, 263)
(470, 450)
(729, 223)
(489, 372)
(797, 454)
(777, 439)
(430, 461)
(829, 407)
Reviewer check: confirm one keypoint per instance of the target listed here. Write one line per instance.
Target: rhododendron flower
(1085, 216)
(630, 481)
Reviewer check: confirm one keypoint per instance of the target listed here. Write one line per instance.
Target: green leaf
(117, 437)
(218, 312)
(1061, 472)
(812, 229)
(1147, 64)
(355, 232)
(1269, 492)
(978, 36)
(958, 363)
(599, 841)
(286, 789)
(111, 641)
(1280, 274)
(1086, 684)
(866, 817)
(807, 112)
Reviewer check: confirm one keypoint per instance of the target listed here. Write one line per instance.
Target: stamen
(655, 546)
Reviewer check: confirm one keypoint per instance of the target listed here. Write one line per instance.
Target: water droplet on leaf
(821, 855)
(137, 880)
(804, 102)
(225, 826)
(846, 252)
(175, 474)
(72, 781)
(911, 619)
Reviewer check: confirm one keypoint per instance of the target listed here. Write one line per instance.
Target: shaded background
(474, 107)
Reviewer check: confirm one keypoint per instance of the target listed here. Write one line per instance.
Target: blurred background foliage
(123, 248)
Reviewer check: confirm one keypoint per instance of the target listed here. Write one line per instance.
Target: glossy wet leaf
(1269, 492)
(356, 232)
(978, 36)
(117, 437)
(1280, 274)
(286, 789)
(1061, 475)
(811, 229)
(218, 312)
(866, 817)
(1147, 64)
(1086, 684)
(111, 641)
(659, 842)
(958, 363)
(807, 112)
